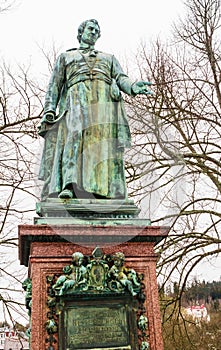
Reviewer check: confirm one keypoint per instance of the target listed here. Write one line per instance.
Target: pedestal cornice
(88, 235)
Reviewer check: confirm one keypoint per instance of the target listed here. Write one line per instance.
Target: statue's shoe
(65, 194)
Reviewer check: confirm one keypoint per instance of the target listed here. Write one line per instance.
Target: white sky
(124, 23)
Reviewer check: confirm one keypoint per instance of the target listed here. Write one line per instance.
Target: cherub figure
(122, 275)
(144, 345)
(75, 275)
(51, 326)
(143, 323)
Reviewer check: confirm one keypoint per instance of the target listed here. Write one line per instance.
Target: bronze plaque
(95, 326)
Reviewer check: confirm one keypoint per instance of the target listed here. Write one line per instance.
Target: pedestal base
(47, 249)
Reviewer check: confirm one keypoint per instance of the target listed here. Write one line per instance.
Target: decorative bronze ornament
(99, 285)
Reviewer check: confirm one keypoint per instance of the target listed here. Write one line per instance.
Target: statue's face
(118, 262)
(90, 33)
(78, 262)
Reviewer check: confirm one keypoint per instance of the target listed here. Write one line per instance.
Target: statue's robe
(84, 148)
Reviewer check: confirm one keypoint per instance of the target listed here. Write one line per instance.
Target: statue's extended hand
(141, 87)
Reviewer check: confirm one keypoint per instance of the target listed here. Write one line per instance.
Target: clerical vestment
(85, 145)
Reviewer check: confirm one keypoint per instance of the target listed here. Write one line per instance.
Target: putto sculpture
(85, 141)
(74, 277)
(98, 274)
(121, 276)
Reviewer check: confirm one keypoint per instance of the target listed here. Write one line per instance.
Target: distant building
(5, 332)
(198, 313)
(9, 341)
(14, 343)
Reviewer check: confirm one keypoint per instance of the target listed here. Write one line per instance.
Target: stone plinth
(47, 249)
(89, 208)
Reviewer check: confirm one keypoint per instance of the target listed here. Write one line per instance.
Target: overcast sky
(124, 23)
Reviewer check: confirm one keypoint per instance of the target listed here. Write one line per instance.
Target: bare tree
(20, 109)
(174, 168)
(6, 5)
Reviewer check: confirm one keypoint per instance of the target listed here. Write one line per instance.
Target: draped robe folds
(84, 148)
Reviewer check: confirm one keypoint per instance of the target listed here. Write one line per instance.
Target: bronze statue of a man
(84, 143)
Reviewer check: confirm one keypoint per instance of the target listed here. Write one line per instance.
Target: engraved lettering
(97, 327)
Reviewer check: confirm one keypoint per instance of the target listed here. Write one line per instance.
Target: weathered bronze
(95, 326)
(75, 276)
(121, 276)
(84, 143)
(27, 286)
(99, 274)
(104, 312)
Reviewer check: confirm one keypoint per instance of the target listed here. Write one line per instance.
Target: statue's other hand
(48, 117)
(45, 124)
(141, 87)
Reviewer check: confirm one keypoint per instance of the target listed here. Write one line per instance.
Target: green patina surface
(84, 143)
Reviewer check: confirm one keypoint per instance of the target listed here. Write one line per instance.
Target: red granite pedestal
(47, 249)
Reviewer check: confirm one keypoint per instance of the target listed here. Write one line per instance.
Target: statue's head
(118, 258)
(77, 258)
(83, 25)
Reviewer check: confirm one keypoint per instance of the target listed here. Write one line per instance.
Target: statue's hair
(119, 256)
(83, 25)
(77, 255)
